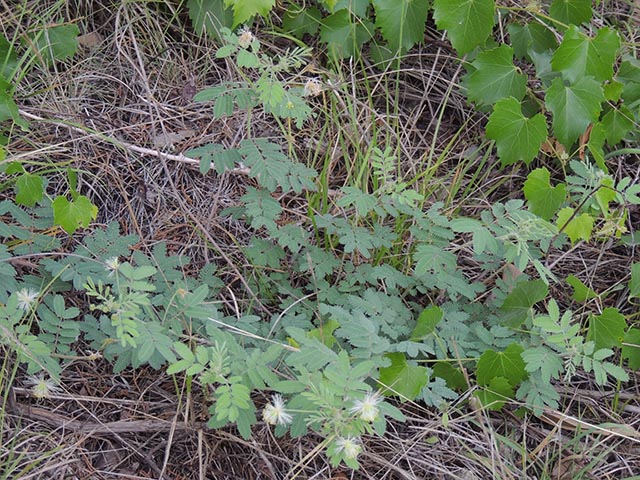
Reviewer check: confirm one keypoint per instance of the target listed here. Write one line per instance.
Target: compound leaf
(548, 362)
(517, 137)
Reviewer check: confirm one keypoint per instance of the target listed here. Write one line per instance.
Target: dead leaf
(90, 40)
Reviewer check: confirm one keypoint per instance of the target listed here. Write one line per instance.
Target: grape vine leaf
(401, 22)
(597, 137)
(8, 58)
(581, 293)
(427, 322)
(529, 37)
(299, 21)
(631, 348)
(469, 23)
(402, 379)
(453, 376)
(507, 364)
(517, 137)
(543, 199)
(344, 36)
(617, 123)
(634, 283)
(571, 11)
(209, 16)
(495, 77)
(517, 306)
(8, 107)
(357, 7)
(574, 107)
(244, 10)
(29, 189)
(494, 396)
(56, 43)
(578, 227)
(607, 329)
(71, 215)
(579, 56)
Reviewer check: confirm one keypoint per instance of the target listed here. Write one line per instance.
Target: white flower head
(42, 387)
(350, 446)
(26, 297)
(312, 87)
(367, 408)
(245, 37)
(112, 265)
(275, 413)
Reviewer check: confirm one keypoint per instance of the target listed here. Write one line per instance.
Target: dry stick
(81, 426)
(122, 144)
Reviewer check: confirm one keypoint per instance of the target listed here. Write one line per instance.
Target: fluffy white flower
(312, 87)
(275, 413)
(367, 408)
(245, 37)
(42, 387)
(350, 446)
(26, 297)
(112, 265)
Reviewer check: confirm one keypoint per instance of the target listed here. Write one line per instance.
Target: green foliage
(71, 215)
(401, 22)
(494, 77)
(574, 107)
(517, 137)
(543, 199)
(516, 308)
(401, 378)
(607, 329)
(468, 24)
(374, 291)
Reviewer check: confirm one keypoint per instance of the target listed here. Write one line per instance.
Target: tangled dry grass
(122, 114)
